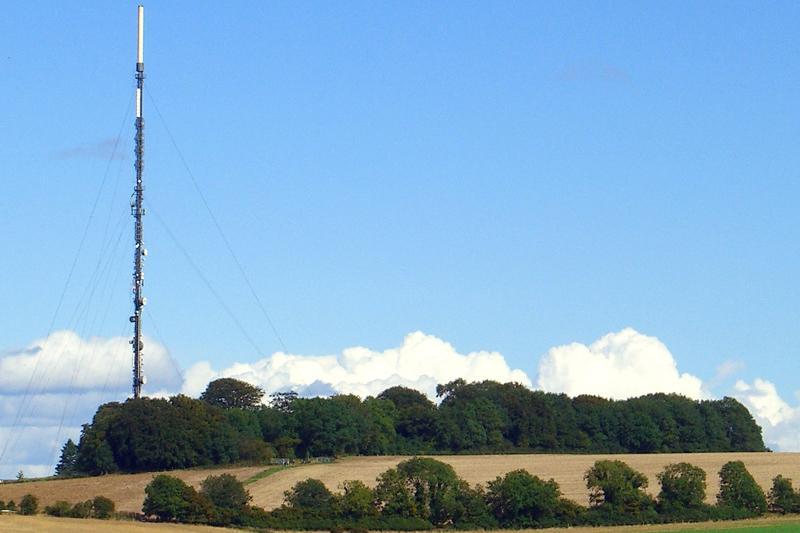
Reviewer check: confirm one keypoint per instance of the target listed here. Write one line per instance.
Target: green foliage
(29, 504)
(617, 488)
(94, 451)
(155, 434)
(232, 393)
(99, 507)
(225, 492)
(158, 434)
(393, 496)
(59, 508)
(433, 485)
(683, 486)
(169, 498)
(782, 497)
(282, 401)
(415, 419)
(81, 510)
(520, 500)
(356, 501)
(102, 507)
(68, 463)
(420, 488)
(310, 497)
(470, 509)
(11, 506)
(738, 489)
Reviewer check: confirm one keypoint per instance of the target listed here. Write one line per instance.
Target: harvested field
(128, 490)
(567, 470)
(38, 524)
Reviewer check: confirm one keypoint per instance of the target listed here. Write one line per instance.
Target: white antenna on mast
(138, 212)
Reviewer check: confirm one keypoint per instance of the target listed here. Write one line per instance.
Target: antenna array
(137, 210)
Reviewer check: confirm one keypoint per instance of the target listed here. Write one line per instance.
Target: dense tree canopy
(159, 434)
(232, 393)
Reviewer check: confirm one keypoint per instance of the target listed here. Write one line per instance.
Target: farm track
(127, 491)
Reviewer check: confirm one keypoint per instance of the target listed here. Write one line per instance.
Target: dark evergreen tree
(68, 463)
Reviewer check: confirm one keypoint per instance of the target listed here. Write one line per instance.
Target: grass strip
(264, 473)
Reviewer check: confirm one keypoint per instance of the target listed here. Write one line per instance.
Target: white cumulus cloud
(422, 361)
(65, 362)
(618, 365)
(779, 420)
(55, 384)
(35, 420)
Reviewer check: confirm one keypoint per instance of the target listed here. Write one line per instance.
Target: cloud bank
(64, 362)
(780, 421)
(619, 365)
(53, 385)
(421, 362)
(44, 400)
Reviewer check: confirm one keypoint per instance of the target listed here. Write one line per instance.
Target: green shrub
(29, 504)
(311, 497)
(11, 506)
(617, 488)
(420, 487)
(782, 497)
(683, 486)
(81, 510)
(738, 489)
(225, 492)
(470, 509)
(520, 499)
(59, 508)
(393, 497)
(356, 500)
(103, 507)
(169, 498)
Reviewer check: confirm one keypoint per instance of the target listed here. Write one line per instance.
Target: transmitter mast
(137, 210)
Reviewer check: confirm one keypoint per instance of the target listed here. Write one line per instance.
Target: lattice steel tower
(137, 210)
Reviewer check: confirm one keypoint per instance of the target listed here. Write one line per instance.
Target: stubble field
(127, 491)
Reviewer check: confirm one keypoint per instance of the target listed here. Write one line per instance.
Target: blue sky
(504, 176)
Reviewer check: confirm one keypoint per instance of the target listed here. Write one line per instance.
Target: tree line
(229, 424)
(423, 493)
